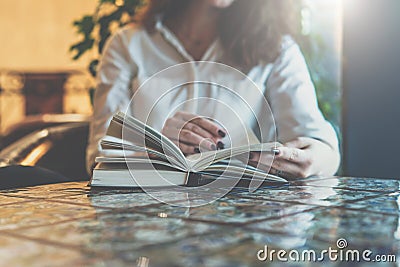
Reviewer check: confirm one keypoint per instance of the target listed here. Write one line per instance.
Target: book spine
(195, 179)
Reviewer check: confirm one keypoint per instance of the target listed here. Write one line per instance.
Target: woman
(251, 36)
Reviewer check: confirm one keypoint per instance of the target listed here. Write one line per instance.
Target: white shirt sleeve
(293, 100)
(114, 76)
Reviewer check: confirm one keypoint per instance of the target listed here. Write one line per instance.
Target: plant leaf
(81, 47)
(85, 25)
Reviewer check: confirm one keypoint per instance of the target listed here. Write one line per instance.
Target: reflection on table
(70, 225)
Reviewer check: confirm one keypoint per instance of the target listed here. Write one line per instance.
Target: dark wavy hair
(250, 31)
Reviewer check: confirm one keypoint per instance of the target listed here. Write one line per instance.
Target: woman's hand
(193, 133)
(300, 158)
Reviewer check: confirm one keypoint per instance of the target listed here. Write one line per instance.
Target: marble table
(71, 225)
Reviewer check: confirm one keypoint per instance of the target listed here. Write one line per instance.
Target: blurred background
(50, 51)
(39, 75)
(50, 48)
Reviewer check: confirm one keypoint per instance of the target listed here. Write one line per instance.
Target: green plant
(96, 28)
(327, 84)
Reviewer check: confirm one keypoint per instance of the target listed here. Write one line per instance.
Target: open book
(151, 159)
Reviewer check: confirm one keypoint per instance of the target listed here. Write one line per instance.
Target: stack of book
(150, 159)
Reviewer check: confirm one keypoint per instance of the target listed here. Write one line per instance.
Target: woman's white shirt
(151, 76)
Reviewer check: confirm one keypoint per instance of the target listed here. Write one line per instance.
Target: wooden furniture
(44, 91)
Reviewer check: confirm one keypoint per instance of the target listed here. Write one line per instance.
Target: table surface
(71, 225)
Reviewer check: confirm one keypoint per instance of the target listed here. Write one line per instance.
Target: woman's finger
(292, 154)
(200, 131)
(204, 123)
(180, 124)
(286, 153)
(174, 122)
(189, 138)
(281, 166)
(296, 162)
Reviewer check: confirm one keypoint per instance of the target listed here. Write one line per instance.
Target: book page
(198, 162)
(143, 135)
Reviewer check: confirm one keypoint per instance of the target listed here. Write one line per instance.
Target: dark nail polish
(196, 150)
(213, 147)
(221, 133)
(220, 145)
(276, 151)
